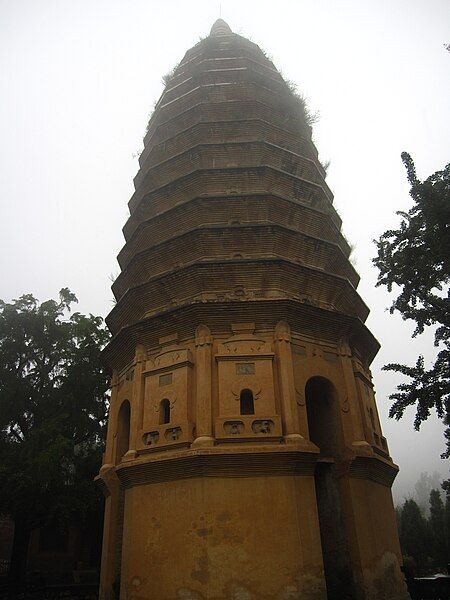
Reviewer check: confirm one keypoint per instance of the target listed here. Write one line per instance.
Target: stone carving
(233, 427)
(300, 397)
(257, 348)
(344, 348)
(172, 356)
(308, 300)
(165, 395)
(167, 359)
(282, 332)
(264, 426)
(172, 434)
(237, 389)
(245, 368)
(244, 344)
(203, 336)
(239, 293)
(345, 405)
(140, 353)
(151, 438)
(165, 379)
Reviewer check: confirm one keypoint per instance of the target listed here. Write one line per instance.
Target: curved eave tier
(226, 242)
(245, 103)
(240, 117)
(245, 125)
(230, 209)
(226, 155)
(310, 320)
(252, 279)
(230, 181)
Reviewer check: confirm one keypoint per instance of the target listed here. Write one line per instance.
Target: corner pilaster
(203, 351)
(108, 458)
(137, 401)
(283, 351)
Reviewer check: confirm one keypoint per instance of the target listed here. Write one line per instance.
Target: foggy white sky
(78, 80)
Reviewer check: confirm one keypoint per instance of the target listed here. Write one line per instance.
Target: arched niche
(325, 430)
(123, 430)
(323, 415)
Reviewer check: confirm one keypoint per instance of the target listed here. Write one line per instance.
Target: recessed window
(246, 402)
(164, 412)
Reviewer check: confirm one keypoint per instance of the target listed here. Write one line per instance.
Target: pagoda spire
(220, 27)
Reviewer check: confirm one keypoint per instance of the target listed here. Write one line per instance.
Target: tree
(438, 529)
(413, 533)
(422, 490)
(425, 542)
(53, 403)
(416, 257)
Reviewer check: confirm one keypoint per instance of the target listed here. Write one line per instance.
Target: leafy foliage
(423, 487)
(413, 532)
(309, 117)
(416, 257)
(438, 527)
(167, 78)
(53, 404)
(425, 542)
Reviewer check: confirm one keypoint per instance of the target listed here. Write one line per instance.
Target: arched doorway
(326, 432)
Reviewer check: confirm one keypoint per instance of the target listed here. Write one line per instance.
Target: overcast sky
(78, 79)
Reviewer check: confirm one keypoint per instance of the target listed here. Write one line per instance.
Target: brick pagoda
(244, 457)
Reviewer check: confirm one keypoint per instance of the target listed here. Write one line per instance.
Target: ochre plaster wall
(216, 538)
(375, 548)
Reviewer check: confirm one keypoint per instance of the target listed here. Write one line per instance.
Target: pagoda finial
(220, 27)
